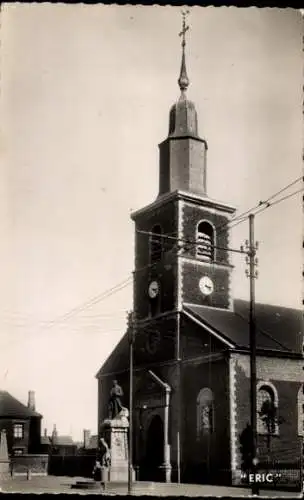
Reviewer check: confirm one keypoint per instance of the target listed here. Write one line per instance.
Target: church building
(191, 392)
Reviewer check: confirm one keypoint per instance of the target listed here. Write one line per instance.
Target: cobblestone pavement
(54, 484)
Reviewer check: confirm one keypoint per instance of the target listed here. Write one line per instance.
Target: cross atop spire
(185, 28)
(183, 80)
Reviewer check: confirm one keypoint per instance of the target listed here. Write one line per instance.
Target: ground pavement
(55, 484)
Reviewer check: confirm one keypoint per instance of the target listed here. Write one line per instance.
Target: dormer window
(156, 243)
(205, 241)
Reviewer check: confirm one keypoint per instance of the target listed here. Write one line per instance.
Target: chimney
(86, 438)
(45, 433)
(31, 400)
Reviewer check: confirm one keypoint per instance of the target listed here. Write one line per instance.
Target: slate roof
(12, 408)
(63, 441)
(93, 444)
(45, 440)
(277, 328)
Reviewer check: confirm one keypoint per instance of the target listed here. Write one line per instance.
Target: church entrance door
(154, 450)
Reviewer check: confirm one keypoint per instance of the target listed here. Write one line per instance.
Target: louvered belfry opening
(156, 244)
(205, 241)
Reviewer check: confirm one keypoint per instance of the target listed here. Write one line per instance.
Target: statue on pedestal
(115, 405)
(113, 445)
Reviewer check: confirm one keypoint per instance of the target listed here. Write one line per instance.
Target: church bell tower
(182, 237)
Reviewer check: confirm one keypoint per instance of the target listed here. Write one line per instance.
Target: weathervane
(183, 80)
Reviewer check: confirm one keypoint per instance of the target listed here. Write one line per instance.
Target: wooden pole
(252, 334)
(130, 457)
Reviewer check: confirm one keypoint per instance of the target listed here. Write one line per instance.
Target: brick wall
(195, 341)
(34, 435)
(164, 271)
(155, 341)
(191, 274)
(37, 464)
(210, 458)
(192, 214)
(8, 425)
(193, 269)
(72, 466)
(285, 375)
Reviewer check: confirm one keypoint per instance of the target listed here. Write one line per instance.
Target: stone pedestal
(4, 457)
(115, 433)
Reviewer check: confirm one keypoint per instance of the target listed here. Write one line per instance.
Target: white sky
(85, 98)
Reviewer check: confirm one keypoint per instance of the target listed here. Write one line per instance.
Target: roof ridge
(269, 305)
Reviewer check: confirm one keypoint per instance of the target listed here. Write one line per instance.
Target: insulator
(247, 272)
(247, 243)
(256, 245)
(256, 274)
(247, 260)
(242, 248)
(256, 261)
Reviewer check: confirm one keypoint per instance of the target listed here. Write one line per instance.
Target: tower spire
(183, 80)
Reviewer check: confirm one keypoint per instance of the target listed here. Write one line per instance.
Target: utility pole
(130, 457)
(179, 416)
(252, 274)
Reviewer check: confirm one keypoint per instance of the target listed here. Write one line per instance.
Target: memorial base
(120, 473)
(4, 457)
(5, 472)
(115, 433)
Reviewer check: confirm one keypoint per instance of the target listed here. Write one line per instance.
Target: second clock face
(153, 341)
(153, 289)
(206, 285)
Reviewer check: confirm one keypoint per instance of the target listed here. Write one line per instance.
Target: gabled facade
(191, 350)
(22, 424)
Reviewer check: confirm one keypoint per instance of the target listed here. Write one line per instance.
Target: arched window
(205, 239)
(301, 411)
(156, 244)
(267, 409)
(204, 412)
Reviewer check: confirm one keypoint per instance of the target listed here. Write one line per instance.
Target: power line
(102, 296)
(97, 299)
(269, 204)
(259, 204)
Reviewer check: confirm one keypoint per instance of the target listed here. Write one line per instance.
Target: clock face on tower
(153, 289)
(206, 285)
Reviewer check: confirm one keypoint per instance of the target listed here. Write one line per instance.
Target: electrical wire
(268, 205)
(258, 205)
(237, 220)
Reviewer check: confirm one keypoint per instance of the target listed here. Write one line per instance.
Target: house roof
(63, 441)
(11, 407)
(93, 443)
(45, 440)
(273, 325)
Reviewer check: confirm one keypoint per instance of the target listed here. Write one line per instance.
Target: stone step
(87, 485)
(122, 485)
